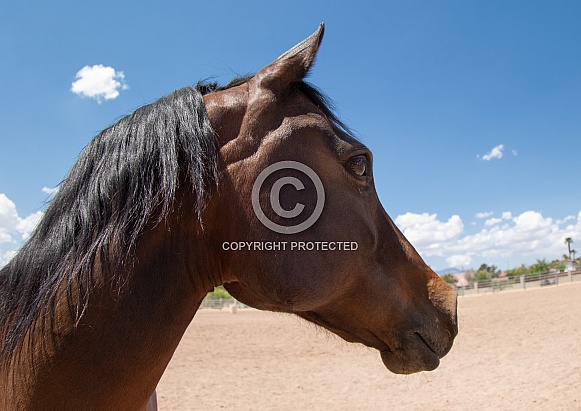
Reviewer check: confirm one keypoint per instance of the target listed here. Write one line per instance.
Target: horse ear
(292, 66)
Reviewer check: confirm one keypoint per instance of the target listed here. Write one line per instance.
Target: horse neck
(126, 336)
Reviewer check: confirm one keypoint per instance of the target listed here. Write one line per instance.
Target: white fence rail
(523, 282)
(222, 303)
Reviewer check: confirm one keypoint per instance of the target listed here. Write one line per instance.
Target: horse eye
(358, 165)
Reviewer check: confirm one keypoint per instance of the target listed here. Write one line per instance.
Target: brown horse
(257, 186)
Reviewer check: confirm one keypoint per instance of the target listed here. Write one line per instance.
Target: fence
(494, 285)
(220, 303)
(523, 282)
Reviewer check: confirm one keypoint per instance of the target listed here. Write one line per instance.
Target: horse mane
(125, 179)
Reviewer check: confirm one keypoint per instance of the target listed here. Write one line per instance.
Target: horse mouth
(420, 355)
(414, 352)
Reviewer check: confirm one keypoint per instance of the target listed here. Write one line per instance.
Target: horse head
(299, 227)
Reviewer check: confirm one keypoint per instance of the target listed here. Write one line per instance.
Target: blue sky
(472, 109)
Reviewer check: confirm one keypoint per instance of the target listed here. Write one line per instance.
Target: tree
(541, 266)
(486, 272)
(450, 278)
(568, 241)
(518, 271)
(482, 275)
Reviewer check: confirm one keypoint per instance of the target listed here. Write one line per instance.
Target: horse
(257, 186)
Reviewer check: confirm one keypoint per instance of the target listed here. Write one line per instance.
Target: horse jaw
(246, 296)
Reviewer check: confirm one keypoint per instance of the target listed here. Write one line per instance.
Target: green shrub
(219, 293)
(450, 278)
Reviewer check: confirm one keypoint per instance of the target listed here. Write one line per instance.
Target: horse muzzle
(417, 351)
(429, 339)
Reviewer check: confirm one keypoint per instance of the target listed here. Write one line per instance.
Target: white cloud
(13, 228)
(564, 220)
(530, 235)
(519, 239)
(496, 152)
(99, 82)
(425, 231)
(485, 214)
(27, 225)
(459, 261)
(492, 221)
(6, 256)
(9, 219)
(50, 191)
(507, 215)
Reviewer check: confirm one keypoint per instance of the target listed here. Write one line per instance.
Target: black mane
(124, 179)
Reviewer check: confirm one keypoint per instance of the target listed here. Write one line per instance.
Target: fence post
(523, 282)
(476, 286)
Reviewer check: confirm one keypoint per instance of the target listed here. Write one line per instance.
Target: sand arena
(515, 351)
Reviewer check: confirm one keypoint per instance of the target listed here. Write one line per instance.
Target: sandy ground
(515, 351)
